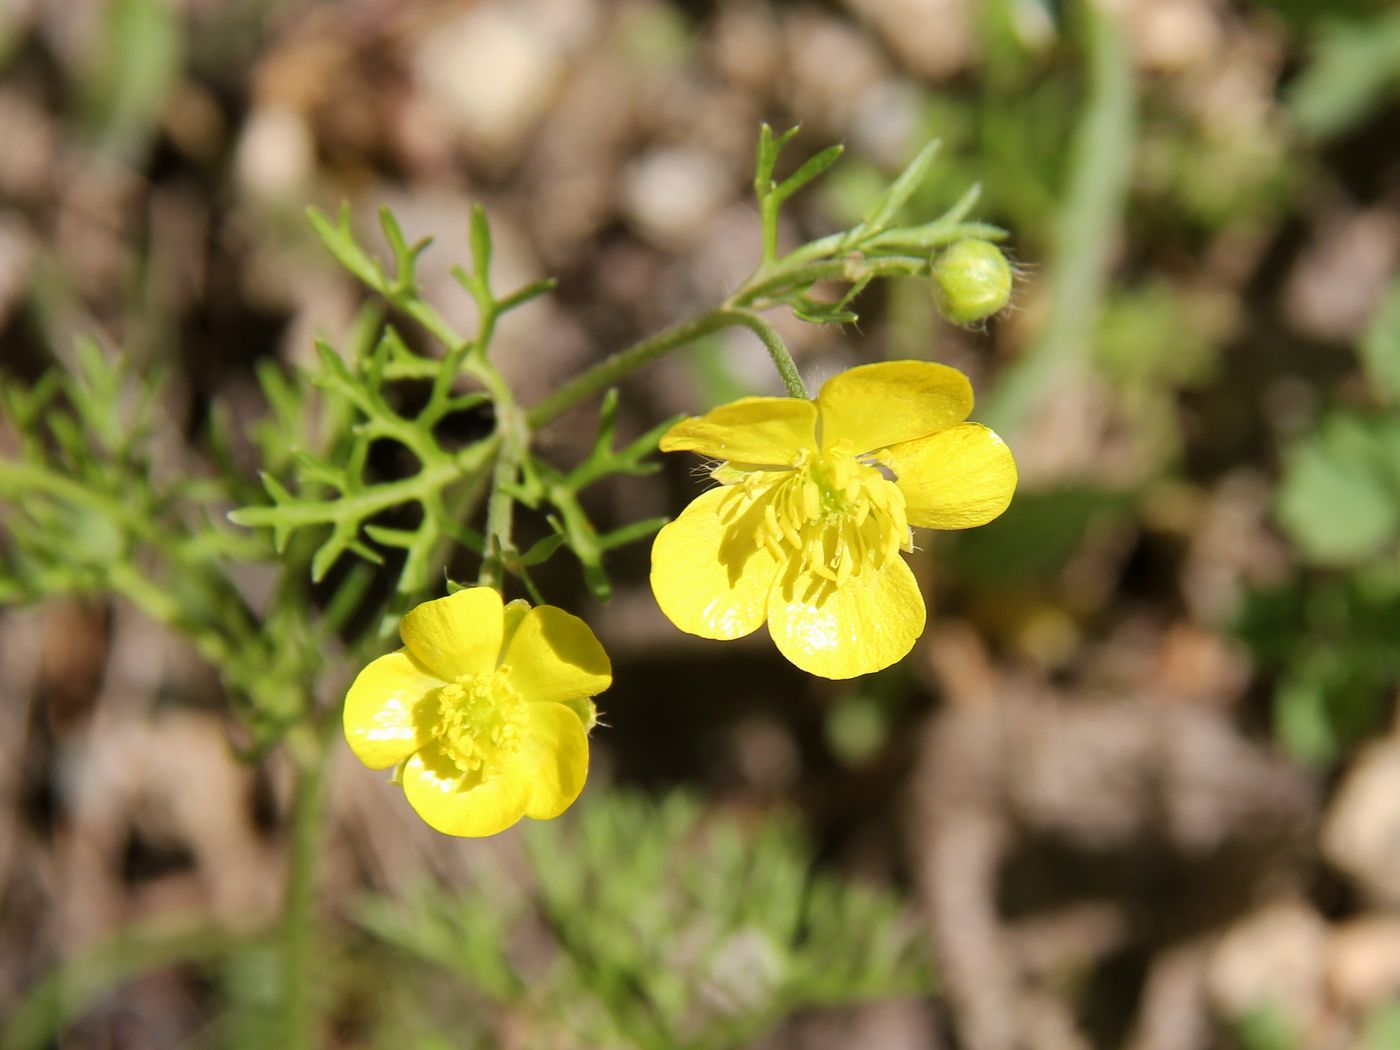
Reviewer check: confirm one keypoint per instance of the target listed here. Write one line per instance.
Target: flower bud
(971, 280)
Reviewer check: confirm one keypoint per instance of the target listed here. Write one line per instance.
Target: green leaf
(133, 77)
(283, 396)
(910, 179)
(540, 551)
(1380, 346)
(341, 537)
(481, 245)
(637, 530)
(963, 206)
(340, 242)
(1356, 65)
(405, 255)
(813, 167)
(813, 312)
(382, 534)
(315, 470)
(824, 315)
(26, 406)
(369, 554)
(1339, 499)
(255, 517)
(533, 290)
(607, 421)
(767, 159)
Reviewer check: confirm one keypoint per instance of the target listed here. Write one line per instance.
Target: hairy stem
(777, 349)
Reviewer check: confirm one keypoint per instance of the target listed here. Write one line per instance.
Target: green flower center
(836, 515)
(480, 721)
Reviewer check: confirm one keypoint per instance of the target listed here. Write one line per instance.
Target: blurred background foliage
(1138, 786)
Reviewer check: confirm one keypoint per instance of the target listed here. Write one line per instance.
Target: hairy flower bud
(971, 281)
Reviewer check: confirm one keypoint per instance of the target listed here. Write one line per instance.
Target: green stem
(299, 920)
(500, 509)
(777, 350)
(768, 205)
(513, 431)
(1101, 159)
(764, 289)
(623, 363)
(611, 369)
(767, 287)
(376, 498)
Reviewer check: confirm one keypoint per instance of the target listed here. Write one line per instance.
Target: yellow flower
(486, 706)
(814, 505)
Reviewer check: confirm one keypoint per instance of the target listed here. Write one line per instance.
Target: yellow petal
(554, 656)
(867, 623)
(553, 760)
(461, 804)
(710, 578)
(380, 717)
(456, 635)
(515, 613)
(767, 431)
(872, 406)
(955, 479)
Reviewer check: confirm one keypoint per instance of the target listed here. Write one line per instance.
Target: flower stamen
(837, 514)
(481, 721)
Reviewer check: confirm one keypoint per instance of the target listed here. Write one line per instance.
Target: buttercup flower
(814, 505)
(487, 707)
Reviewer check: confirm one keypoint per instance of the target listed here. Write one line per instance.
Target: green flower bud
(971, 280)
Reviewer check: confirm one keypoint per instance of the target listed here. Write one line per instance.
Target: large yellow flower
(487, 707)
(814, 505)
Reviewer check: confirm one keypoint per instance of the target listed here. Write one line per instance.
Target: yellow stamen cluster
(833, 514)
(480, 721)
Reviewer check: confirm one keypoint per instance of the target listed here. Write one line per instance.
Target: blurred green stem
(310, 752)
(1100, 166)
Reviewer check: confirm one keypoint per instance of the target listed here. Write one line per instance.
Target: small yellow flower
(814, 505)
(487, 707)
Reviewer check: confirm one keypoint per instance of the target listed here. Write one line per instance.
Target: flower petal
(871, 406)
(457, 635)
(709, 577)
(955, 479)
(515, 612)
(553, 655)
(553, 760)
(380, 717)
(867, 623)
(457, 803)
(767, 431)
